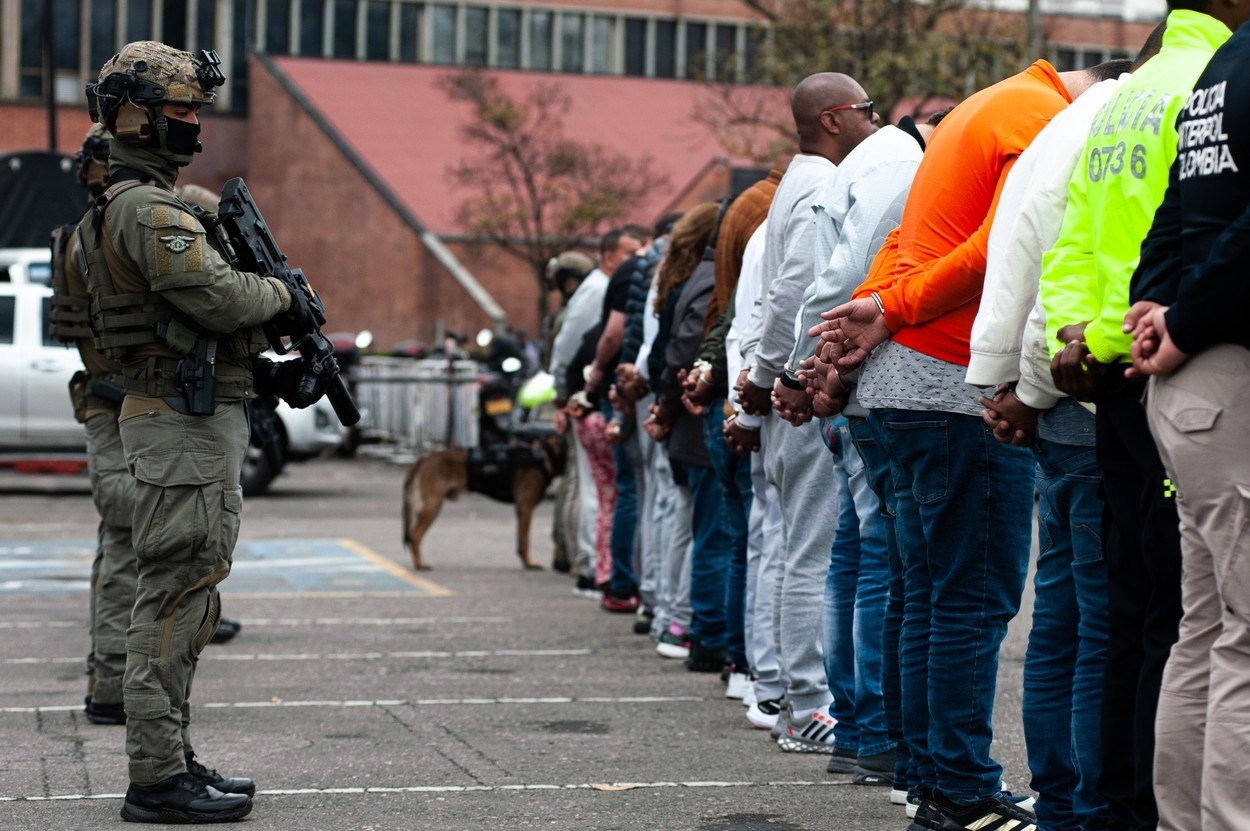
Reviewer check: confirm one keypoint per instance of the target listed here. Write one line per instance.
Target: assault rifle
(251, 247)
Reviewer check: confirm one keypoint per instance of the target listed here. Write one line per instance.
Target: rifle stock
(253, 248)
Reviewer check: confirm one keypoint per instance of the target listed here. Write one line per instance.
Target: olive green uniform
(151, 266)
(113, 571)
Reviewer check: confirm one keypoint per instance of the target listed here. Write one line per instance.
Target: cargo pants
(114, 571)
(186, 521)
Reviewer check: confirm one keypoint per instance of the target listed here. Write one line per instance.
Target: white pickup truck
(35, 409)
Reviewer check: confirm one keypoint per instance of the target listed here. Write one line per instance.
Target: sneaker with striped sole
(813, 735)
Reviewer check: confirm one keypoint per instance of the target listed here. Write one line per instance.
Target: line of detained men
(924, 311)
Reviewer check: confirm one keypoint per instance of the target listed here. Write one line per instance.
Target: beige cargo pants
(186, 521)
(114, 571)
(1200, 417)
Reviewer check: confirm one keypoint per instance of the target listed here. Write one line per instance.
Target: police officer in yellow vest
(96, 395)
(183, 325)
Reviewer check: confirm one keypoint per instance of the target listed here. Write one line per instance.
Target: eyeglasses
(863, 105)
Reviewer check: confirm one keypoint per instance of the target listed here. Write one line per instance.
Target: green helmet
(135, 82)
(537, 391)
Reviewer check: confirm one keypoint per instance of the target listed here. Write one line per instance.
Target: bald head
(817, 93)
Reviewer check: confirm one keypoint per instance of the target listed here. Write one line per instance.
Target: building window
(278, 27)
(476, 35)
(726, 52)
(540, 40)
(508, 38)
(174, 24)
(666, 49)
(65, 30)
(635, 46)
(377, 30)
(602, 52)
(138, 20)
(571, 42)
(311, 26)
(444, 34)
(31, 85)
(409, 31)
(755, 48)
(205, 26)
(344, 28)
(696, 50)
(103, 32)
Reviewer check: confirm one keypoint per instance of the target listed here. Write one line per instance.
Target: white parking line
(399, 702)
(284, 621)
(344, 656)
(606, 787)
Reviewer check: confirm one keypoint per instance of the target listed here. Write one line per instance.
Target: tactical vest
(123, 322)
(96, 390)
(69, 318)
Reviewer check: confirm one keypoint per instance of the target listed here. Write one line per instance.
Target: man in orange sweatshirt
(964, 500)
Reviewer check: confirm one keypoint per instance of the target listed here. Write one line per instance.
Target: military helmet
(93, 158)
(142, 76)
(569, 265)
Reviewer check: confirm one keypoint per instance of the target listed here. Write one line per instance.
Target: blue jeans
(964, 505)
(1067, 654)
(855, 599)
(623, 583)
(709, 558)
(734, 472)
(881, 480)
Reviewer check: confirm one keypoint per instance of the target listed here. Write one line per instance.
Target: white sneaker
(763, 714)
(739, 685)
(898, 796)
(749, 698)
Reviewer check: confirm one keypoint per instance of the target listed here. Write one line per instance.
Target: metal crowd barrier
(419, 406)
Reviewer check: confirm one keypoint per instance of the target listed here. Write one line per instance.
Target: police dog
(519, 473)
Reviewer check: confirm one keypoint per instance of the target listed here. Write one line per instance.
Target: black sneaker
(98, 713)
(181, 800)
(211, 777)
(928, 813)
(705, 659)
(842, 761)
(642, 624)
(875, 770)
(226, 630)
(997, 814)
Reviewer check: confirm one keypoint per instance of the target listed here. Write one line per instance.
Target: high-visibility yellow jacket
(1118, 184)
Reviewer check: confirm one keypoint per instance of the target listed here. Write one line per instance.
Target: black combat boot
(98, 713)
(181, 800)
(211, 777)
(227, 628)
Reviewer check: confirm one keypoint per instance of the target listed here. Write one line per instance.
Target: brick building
(333, 114)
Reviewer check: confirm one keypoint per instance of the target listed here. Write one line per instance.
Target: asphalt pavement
(362, 695)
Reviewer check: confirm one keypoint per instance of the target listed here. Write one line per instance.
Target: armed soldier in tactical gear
(183, 325)
(96, 393)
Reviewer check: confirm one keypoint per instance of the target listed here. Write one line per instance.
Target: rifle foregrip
(341, 401)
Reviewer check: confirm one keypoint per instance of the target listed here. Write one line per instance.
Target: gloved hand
(291, 381)
(298, 319)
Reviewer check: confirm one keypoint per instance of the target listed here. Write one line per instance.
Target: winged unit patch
(177, 243)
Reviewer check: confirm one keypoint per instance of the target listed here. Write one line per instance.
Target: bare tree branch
(532, 190)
